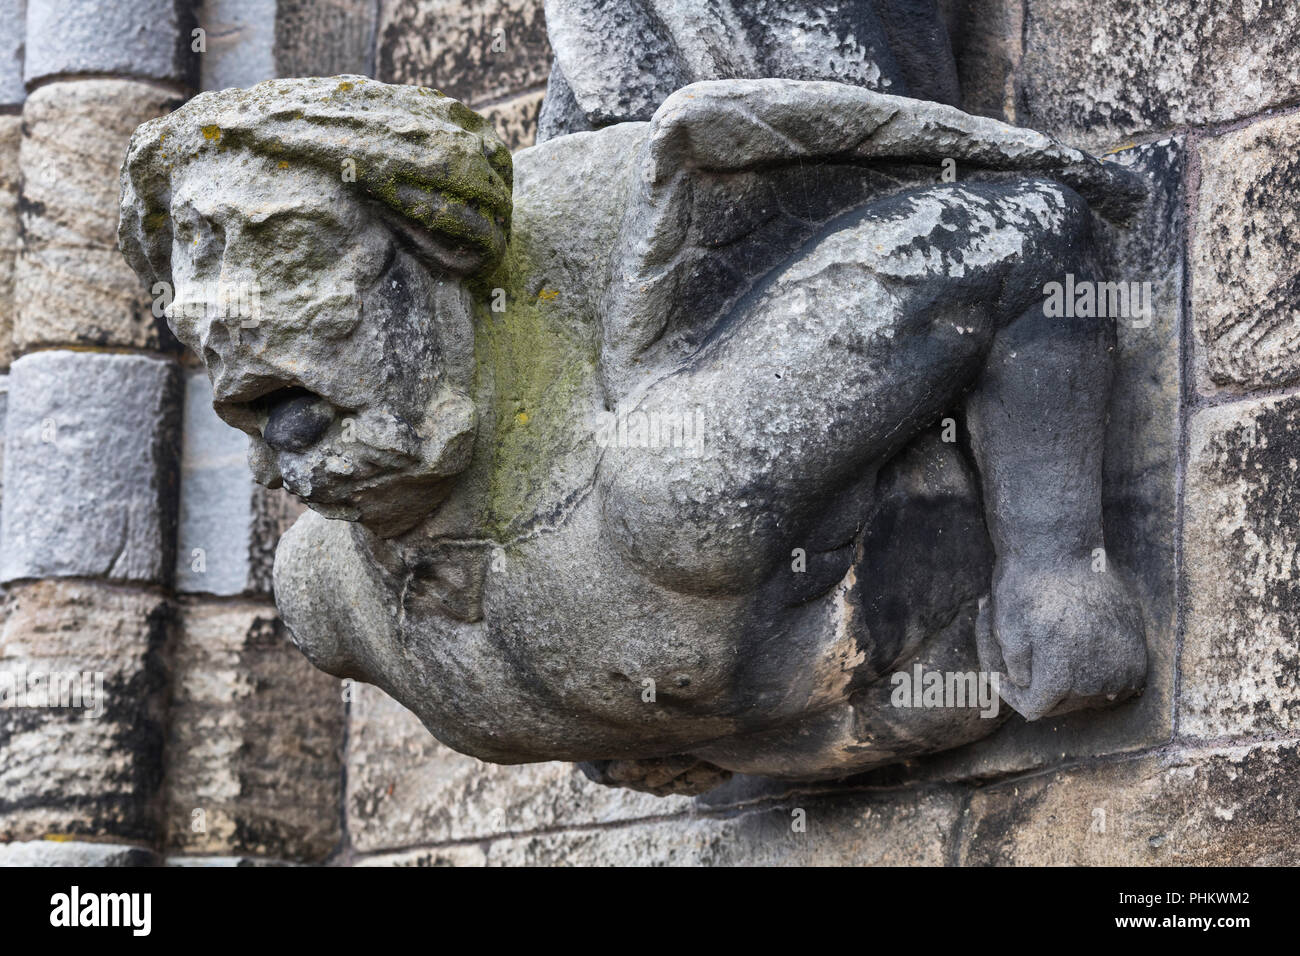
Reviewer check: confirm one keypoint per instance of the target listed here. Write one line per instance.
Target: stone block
(149, 39)
(1096, 72)
(4, 414)
(903, 828)
(72, 286)
(240, 40)
(406, 789)
(462, 855)
(515, 120)
(1245, 277)
(74, 853)
(255, 740)
(13, 29)
(228, 525)
(11, 127)
(1226, 807)
(325, 37)
(988, 46)
(475, 51)
(83, 671)
(1240, 666)
(223, 862)
(90, 467)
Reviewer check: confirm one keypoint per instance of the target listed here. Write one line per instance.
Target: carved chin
(386, 487)
(388, 508)
(388, 502)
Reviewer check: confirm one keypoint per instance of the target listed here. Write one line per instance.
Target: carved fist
(1063, 637)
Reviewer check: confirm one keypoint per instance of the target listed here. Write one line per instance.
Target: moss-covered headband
(413, 150)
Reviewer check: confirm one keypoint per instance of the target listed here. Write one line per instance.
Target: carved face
(345, 358)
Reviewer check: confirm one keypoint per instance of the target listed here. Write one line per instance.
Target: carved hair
(416, 153)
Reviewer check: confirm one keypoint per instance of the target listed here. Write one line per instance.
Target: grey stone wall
(220, 744)
(490, 54)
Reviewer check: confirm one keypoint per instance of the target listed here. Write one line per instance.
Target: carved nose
(296, 419)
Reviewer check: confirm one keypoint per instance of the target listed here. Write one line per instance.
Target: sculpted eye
(337, 316)
(331, 307)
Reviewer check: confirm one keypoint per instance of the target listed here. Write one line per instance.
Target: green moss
(464, 117)
(540, 375)
(449, 203)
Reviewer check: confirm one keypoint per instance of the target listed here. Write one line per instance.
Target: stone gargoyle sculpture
(664, 446)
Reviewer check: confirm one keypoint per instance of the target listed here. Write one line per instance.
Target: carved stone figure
(617, 60)
(667, 445)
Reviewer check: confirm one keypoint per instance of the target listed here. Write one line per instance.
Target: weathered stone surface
(449, 174)
(473, 50)
(94, 769)
(229, 525)
(240, 42)
(1139, 489)
(1097, 71)
(138, 38)
(911, 828)
(74, 853)
(1245, 275)
(90, 467)
(325, 37)
(71, 285)
(1240, 663)
(467, 855)
(4, 414)
(13, 27)
(255, 738)
(515, 120)
(406, 789)
(224, 862)
(1226, 807)
(906, 828)
(635, 601)
(10, 137)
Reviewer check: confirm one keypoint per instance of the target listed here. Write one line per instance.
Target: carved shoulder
(570, 198)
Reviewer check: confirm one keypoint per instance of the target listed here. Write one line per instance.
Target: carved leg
(868, 335)
(1062, 626)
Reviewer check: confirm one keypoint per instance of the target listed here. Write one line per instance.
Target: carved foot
(1064, 637)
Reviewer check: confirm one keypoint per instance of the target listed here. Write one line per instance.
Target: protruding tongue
(297, 420)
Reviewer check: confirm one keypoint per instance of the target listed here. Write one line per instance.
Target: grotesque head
(311, 240)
